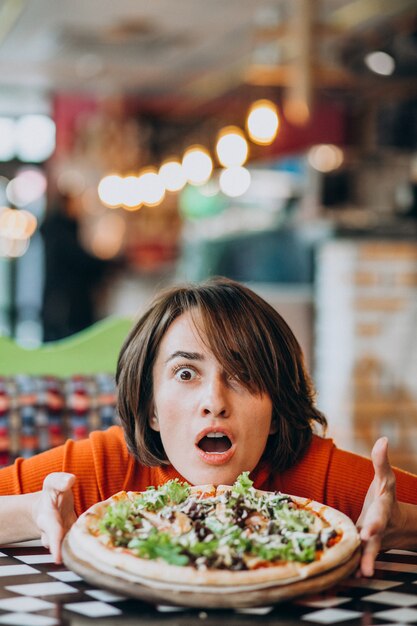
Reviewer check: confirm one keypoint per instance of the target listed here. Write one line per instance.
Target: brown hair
(250, 340)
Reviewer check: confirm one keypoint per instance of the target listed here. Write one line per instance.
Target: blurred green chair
(91, 351)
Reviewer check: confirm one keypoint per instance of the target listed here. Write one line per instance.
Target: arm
(47, 514)
(97, 479)
(16, 521)
(27, 475)
(36, 496)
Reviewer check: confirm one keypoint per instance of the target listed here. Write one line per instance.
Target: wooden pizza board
(222, 597)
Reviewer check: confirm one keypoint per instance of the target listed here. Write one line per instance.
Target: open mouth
(215, 443)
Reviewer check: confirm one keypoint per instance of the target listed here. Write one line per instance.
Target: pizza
(224, 536)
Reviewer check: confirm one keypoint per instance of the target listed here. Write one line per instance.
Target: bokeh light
(325, 157)
(13, 248)
(17, 224)
(197, 165)
(380, 62)
(35, 138)
(108, 236)
(28, 186)
(131, 192)
(110, 190)
(152, 188)
(262, 122)
(232, 147)
(234, 181)
(172, 175)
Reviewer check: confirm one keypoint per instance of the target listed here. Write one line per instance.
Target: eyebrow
(192, 356)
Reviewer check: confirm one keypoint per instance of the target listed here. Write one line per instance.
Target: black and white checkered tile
(36, 592)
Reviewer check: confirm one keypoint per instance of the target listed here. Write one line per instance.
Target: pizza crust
(93, 549)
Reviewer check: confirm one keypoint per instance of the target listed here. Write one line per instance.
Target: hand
(53, 512)
(380, 512)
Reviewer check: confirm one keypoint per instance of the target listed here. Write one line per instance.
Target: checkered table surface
(36, 592)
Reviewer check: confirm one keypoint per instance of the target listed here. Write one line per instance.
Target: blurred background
(274, 142)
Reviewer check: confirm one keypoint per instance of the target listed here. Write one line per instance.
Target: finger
(55, 537)
(50, 525)
(369, 554)
(58, 482)
(380, 459)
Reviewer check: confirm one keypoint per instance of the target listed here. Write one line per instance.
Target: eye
(185, 373)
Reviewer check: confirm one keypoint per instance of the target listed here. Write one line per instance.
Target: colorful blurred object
(194, 203)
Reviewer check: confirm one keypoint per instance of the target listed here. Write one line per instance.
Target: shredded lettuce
(155, 498)
(158, 545)
(119, 522)
(284, 552)
(176, 491)
(203, 548)
(243, 484)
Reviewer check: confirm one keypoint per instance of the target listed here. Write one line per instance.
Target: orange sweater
(104, 466)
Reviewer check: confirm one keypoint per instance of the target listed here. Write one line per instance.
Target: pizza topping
(239, 529)
(173, 492)
(328, 536)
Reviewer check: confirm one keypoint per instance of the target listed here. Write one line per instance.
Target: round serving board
(114, 579)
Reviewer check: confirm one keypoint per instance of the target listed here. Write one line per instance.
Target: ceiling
(199, 49)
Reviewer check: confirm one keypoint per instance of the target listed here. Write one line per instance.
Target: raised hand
(380, 517)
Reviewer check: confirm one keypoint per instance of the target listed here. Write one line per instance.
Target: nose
(214, 400)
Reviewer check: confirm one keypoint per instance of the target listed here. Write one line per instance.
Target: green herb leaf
(119, 522)
(158, 545)
(154, 499)
(242, 484)
(176, 491)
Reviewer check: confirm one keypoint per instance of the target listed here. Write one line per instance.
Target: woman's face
(212, 428)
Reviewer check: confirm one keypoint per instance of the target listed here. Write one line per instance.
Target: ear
(273, 429)
(154, 423)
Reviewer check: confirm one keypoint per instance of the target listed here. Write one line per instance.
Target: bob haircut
(249, 339)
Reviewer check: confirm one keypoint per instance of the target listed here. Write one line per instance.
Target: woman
(211, 382)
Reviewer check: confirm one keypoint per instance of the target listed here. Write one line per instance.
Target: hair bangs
(236, 339)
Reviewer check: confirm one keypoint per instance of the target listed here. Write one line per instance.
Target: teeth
(215, 435)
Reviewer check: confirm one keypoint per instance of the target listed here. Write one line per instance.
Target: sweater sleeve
(349, 476)
(100, 463)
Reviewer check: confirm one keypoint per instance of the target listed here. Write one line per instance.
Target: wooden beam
(284, 31)
(268, 75)
(323, 76)
(298, 96)
(331, 77)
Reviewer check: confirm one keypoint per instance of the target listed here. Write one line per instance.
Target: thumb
(57, 482)
(380, 459)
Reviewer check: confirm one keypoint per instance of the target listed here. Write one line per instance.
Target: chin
(212, 476)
